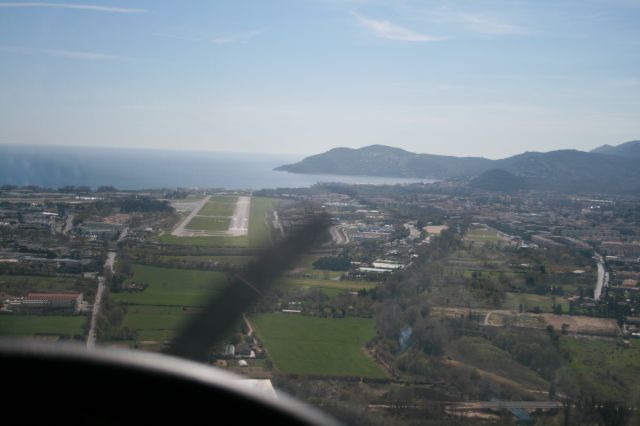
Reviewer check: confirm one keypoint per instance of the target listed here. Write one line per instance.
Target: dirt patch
(583, 325)
(118, 218)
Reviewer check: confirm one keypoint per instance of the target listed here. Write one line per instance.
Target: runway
(238, 223)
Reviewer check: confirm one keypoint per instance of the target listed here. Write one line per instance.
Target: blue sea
(57, 166)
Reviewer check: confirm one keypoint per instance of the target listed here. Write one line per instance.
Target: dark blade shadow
(244, 290)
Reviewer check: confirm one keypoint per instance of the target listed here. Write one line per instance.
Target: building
(99, 230)
(51, 302)
(388, 265)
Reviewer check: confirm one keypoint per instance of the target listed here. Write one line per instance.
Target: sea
(131, 169)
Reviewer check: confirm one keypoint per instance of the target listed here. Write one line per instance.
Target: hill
(380, 160)
(629, 149)
(575, 171)
(499, 180)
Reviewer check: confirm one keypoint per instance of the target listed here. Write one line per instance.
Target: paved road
(68, 225)
(122, 236)
(239, 224)
(486, 318)
(277, 224)
(249, 326)
(507, 405)
(179, 231)
(91, 338)
(601, 277)
(338, 235)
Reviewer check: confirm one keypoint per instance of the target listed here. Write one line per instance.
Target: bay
(56, 166)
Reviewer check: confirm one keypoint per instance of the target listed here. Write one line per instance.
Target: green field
(258, 230)
(219, 206)
(230, 260)
(480, 353)
(209, 223)
(30, 325)
(329, 287)
(171, 286)
(190, 198)
(218, 241)
(469, 273)
(154, 322)
(482, 235)
(604, 370)
(323, 346)
(530, 301)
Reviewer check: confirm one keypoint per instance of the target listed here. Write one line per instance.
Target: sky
(466, 78)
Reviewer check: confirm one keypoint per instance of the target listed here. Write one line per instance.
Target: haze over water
(55, 166)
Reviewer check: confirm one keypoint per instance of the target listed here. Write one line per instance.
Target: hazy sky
(301, 76)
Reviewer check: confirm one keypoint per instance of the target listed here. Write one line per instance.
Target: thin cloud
(69, 54)
(89, 7)
(489, 25)
(387, 30)
(473, 22)
(237, 38)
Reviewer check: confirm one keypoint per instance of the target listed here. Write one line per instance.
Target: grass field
(171, 287)
(530, 301)
(219, 206)
(480, 353)
(209, 223)
(604, 370)
(482, 235)
(469, 273)
(30, 325)
(329, 287)
(221, 241)
(231, 260)
(154, 322)
(322, 346)
(259, 231)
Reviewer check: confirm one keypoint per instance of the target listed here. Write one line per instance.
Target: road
(179, 230)
(485, 405)
(91, 338)
(486, 319)
(507, 405)
(122, 236)
(239, 224)
(338, 235)
(602, 277)
(68, 225)
(277, 224)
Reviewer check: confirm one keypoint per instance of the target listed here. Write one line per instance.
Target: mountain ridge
(566, 170)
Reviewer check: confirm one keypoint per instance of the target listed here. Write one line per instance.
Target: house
(243, 350)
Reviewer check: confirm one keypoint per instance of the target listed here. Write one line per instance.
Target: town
(429, 300)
